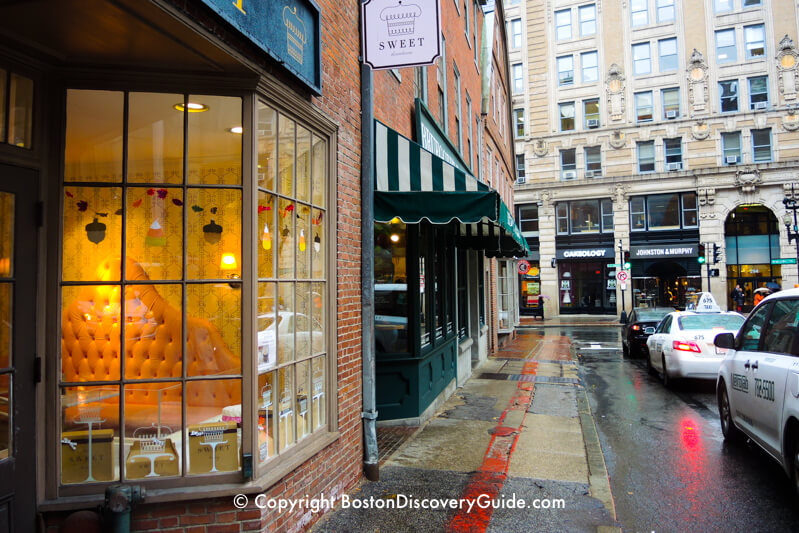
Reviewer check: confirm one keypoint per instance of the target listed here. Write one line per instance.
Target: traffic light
(716, 253)
(626, 261)
(701, 258)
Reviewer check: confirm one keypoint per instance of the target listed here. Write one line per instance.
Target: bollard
(119, 500)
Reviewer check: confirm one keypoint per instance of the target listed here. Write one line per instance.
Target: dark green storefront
(426, 211)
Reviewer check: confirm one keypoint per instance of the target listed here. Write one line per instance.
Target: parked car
(682, 344)
(758, 381)
(633, 333)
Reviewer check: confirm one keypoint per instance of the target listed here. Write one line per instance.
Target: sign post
(622, 276)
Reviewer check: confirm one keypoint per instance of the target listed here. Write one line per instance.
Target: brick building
(179, 260)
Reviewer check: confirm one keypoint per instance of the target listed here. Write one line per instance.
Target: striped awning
(412, 184)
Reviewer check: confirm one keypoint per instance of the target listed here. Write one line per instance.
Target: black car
(633, 338)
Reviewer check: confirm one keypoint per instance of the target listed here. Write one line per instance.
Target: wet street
(669, 467)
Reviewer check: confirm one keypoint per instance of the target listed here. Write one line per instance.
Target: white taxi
(682, 344)
(758, 381)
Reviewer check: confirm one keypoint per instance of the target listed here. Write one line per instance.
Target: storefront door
(17, 344)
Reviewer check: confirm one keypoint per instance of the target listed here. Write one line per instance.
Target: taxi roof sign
(706, 304)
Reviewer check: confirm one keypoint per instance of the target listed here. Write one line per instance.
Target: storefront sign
(590, 253)
(434, 140)
(523, 267)
(654, 252)
(400, 33)
(784, 261)
(287, 30)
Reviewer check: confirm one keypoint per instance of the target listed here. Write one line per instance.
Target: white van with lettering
(758, 382)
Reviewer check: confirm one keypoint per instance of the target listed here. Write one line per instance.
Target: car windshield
(710, 321)
(652, 315)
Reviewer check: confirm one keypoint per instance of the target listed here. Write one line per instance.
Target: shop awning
(412, 184)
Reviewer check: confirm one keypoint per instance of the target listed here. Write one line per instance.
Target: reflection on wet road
(669, 467)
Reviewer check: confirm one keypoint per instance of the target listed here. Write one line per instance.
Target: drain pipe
(369, 414)
(119, 500)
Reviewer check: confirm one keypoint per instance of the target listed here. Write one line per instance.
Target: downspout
(369, 414)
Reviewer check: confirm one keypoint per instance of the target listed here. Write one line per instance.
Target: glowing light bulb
(266, 239)
(394, 237)
(228, 262)
(302, 240)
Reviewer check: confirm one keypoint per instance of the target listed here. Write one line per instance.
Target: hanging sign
(400, 33)
(523, 266)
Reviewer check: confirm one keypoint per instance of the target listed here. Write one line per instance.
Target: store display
(78, 446)
(213, 447)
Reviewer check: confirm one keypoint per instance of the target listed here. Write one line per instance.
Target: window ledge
(303, 452)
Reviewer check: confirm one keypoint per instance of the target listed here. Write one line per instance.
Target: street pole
(793, 233)
(623, 317)
(707, 263)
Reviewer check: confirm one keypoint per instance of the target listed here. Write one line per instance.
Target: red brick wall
(339, 466)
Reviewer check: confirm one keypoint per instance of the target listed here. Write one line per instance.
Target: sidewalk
(519, 429)
(570, 320)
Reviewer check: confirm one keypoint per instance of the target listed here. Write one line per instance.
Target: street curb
(598, 479)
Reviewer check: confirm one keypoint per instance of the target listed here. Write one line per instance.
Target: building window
(587, 20)
(585, 217)
(728, 92)
(755, 41)
(725, 46)
(607, 215)
(516, 33)
(761, 145)
(562, 218)
(591, 113)
(458, 108)
(469, 139)
(16, 92)
(642, 60)
(475, 34)
(518, 78)
(166, 282)
(639, 12)
(566, 116)
(673, 153)
(563, 24)
(593, 162)
(421, 83)
(518, 120)
(638, 213)
(528, 220)
(568, 163)
(722, 6)
(643, 106)
(466, 23)
(667, 49)
(588, 63)
(442, 86)
(758, 92)
(565, 70)
(463, 293)
(752, 3)
(646, 156)
(731, 148)
(689, 210)
(671, 102)
(665, 9)
(520, 168)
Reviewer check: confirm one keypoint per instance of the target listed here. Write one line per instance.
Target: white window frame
(516, 33)
(648, 144)
(750, 45)
(518, 78)
(593, 116)
(639, 106)
(662, 7)
(756, 146)
(517, 114)
(561, 25)
(636, 10)
(676, 156)
(662, 58)
(591, 68)
(588, 10)
(752, 94)
(718, 6)
(561, 107)
(665, 106)
(727, 48)
(639, 60)
(737, 95)
(559, 62)
(727, 151)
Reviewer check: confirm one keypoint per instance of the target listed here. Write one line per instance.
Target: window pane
(267, 326)
(665, 10)
(153, 331)
(723, 5)
(6, 417)
(303, 164)
(317, 243)
(266, 235)
(318, 389)
(92, 238)
(565, 70)
(637, 213)
(6, 317)
(729, 95)
(89, 427)
(303, 221)
(671, 102)
(761, 142)
(303, 322)
(214, 233)
(585, 217)
(155, 138)
(213, 446)
(607, 216)
(285, 158)
(153, 420)
(587, 20)
(562, 215)
(641, 59)
(318, 311)
(593, 158)
(288, 242)
(780, 331)
(568, 159)
(668, 54)
(93, 150)
(285, 323)
(563, 21)
(303, 371)
(673, 148)
(755, 38)
(689, 210)
(591, 110)
(3, 87)
(213, 345)
(154, 232)
(267, 146)
(566, 116)
(588, 61)
(638, 9)
(758, 90)
(20, 114)
(319, 171)
(285, 391)
(266, 415)
(725, 46)
(215, 141)
(646, 156)
(664, 211)
(643, 106)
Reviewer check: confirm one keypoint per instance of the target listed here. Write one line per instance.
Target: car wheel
(668, 382)
(728, 429)
(649, 368)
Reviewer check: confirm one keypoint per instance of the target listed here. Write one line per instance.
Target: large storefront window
(663, 212)
(152, 278)
(391, 287)
(586, 287)
(505, 276)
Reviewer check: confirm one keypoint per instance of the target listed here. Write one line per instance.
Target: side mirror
(649, 331)
(725, 340)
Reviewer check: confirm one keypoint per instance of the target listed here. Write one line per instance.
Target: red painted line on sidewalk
(486, 484)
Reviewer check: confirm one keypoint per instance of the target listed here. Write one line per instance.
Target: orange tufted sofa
(90, 351)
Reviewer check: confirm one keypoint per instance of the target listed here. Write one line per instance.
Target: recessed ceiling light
(236, 129)
(193, 107)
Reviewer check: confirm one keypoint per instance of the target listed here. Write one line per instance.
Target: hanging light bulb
(317, 243)
(302, 240)
(266, 238)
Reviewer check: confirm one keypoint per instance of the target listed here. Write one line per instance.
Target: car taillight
(686, 346)
(636, 327)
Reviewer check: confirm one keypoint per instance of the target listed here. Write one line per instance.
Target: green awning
(412, 184)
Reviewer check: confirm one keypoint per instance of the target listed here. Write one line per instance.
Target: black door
(18, 226)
